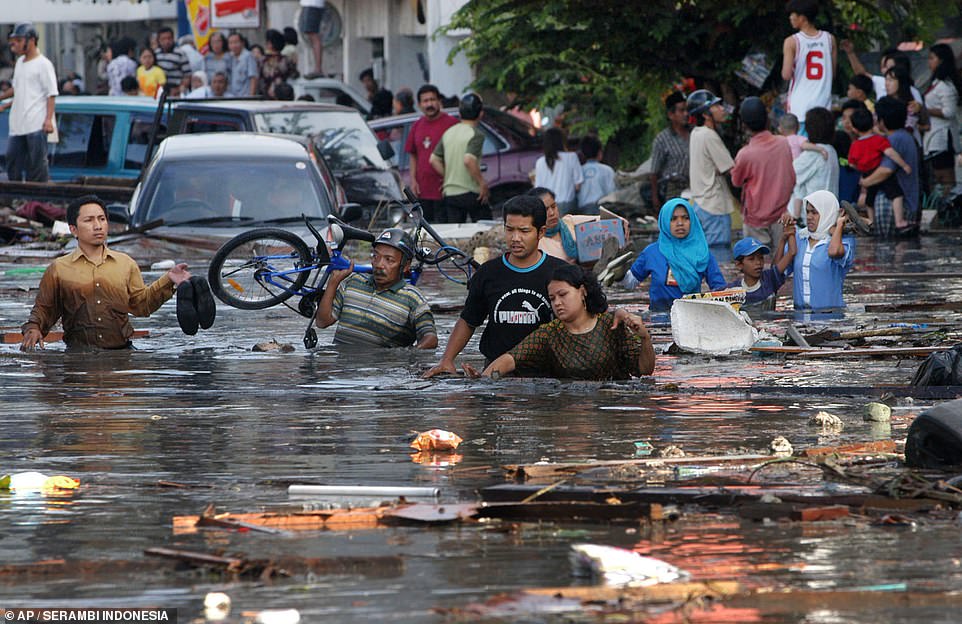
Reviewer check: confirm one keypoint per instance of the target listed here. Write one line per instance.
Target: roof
(107, 103)
(230, 145)
(261, 106)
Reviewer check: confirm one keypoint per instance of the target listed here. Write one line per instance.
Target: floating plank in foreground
(866, 352)
(282, 566)
(56, 336)
(523, 472)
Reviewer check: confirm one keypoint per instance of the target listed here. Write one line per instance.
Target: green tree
(610, 62)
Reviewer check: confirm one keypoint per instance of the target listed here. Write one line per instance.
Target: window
(213, 123)
(84, 140)
(138, 139)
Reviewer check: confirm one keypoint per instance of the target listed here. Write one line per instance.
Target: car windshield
(233, 191)
(343, 138)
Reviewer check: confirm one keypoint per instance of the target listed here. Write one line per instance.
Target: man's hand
(48, 126)
(470, 372)
(787, 220)
(340, 275)
(484, 194)
(31, 338)
(914, 107)
(441, 368)
(415, 188)
(847, 46)
(179, 274)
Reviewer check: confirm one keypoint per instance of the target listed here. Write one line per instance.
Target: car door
(491, 155)
(83, 149)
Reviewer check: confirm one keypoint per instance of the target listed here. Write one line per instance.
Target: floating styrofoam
(710, 327)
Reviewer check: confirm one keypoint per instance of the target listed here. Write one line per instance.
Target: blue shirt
(599, 181)
(664, 288)
(763, 297)
(819, 278)
(904, 143)
(243, 69)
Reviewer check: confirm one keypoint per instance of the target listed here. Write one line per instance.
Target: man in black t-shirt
(511, 291)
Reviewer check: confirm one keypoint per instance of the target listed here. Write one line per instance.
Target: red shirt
(865, 154)
(424, 136)
(764, 169)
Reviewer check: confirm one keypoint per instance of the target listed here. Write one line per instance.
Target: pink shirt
(764, 169)
(795, 143)
(424, 136)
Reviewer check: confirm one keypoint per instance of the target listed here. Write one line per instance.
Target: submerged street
(183, 422)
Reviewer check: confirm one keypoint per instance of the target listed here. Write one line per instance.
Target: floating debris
(622, 567)
(877, 412)
(829, 423)
(781, 446)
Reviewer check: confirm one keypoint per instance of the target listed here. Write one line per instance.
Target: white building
(394, 37)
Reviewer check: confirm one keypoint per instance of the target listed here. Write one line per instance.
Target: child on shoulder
(865, 155)
(788, 128)
(679, 261)
(761, 285)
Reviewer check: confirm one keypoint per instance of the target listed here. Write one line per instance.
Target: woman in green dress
(584, 341)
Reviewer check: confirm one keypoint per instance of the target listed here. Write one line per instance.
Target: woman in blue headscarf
(678, 261)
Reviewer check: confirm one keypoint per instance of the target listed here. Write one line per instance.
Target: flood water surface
(182, 423)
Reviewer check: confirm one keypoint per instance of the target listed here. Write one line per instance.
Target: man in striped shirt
(380, 309)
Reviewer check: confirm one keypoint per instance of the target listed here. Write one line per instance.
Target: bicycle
(267, 266)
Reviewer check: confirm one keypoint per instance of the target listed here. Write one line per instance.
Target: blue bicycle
(267, 266)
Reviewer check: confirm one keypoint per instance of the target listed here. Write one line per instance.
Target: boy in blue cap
(761, 284)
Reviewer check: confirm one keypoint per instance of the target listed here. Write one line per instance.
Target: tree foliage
(611, 61)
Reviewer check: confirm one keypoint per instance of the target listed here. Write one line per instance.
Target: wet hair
(892, 112)
(808, 8)
(540, 191)
(853, 104)
(73, 209)
(129, 83)
(527, 206)
(595, 300)
(290, 35)
(901, 74)
(820, 124)
(788, 122)
(275, 38)
(674, 99)
(590, 146)
(862, 120)
(946, 70)
(863, 83)
(554, 144)
(283, 92)
(366, 73)
(428, 88)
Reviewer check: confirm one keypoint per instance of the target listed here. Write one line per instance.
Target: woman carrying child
(824, 256)
(678, 261)
(584, 341)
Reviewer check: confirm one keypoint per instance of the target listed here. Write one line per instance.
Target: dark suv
(511, 148)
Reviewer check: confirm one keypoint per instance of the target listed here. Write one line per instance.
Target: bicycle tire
(236, 270)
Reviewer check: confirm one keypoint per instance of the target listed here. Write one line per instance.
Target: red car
(511, 148)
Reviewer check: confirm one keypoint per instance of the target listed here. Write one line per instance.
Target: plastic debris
(619, 566)
(436, 440)
(827, 422)
(216, 606)
(781, 446)
(37, 482)
(643, 447)
(273, 345)
(278, 616)
(671, 451)
(877, 412)
(163, 265)
(710, 327)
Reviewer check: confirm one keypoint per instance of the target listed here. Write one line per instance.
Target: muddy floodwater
(238, 427)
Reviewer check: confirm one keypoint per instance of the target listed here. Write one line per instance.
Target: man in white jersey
(809, 58)
(31, 112)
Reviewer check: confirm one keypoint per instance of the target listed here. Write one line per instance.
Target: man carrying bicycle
(380, 309)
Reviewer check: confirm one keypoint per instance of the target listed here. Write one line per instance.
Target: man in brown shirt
(94, 289)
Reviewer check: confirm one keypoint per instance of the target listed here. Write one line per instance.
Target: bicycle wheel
(259, 269)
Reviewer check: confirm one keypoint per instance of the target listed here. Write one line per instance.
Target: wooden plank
(862, 448)
(56, 336)
(540, 471)
(865, 352)
(663, 592)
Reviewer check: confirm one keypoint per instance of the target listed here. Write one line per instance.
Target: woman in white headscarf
(199, 88)
(825, 255)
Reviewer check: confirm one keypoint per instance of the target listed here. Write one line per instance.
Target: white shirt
(33, 82)
(562, 180)
(318, 4)
(812, 79)
(942, 95)
(708, 162)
